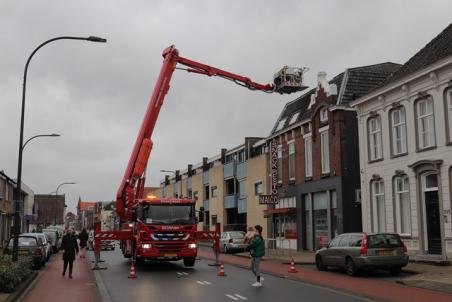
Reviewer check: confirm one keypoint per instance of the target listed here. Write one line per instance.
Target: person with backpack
(256, 247)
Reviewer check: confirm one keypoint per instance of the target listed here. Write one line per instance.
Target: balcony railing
(206, 205)
(229, 170)
(230, 201)
(241, 205)
(241, 170)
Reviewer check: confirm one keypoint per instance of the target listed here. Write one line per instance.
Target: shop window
(320, 220)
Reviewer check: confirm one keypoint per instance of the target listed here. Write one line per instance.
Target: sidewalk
(51, 286)
(364, 287)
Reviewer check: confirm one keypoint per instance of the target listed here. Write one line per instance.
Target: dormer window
(294, 118)
(324, 115)
(281, 124)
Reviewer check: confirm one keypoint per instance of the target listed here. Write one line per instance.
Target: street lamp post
(56, 199)
(18, 194)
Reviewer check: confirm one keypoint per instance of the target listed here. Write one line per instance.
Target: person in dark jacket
(70, 248)
(257, 249)
(83, 238)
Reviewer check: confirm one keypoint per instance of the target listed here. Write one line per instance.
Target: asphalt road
(171, 281)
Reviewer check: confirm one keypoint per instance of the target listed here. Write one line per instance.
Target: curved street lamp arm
(40, 135)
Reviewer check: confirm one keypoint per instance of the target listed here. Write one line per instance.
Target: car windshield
(383, 241)
(236, 235)
(51, 234)
(24, 241)
(169, 214)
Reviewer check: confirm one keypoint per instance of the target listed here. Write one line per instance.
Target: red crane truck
(166, 228)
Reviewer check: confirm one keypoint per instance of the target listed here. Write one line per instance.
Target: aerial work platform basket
(289, 79)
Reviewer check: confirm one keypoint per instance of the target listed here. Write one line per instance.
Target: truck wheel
(189, 261)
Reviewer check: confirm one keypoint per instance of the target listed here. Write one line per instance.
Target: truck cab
(165, 230)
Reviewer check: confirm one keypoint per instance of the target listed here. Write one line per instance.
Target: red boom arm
(132, 184)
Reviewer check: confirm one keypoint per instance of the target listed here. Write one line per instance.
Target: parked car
(55, 239)
(232, 241)
(29, 246)
(357, 251)
(46, 245)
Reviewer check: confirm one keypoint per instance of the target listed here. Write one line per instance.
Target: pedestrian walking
(257, 249)
(70, 248)
(83, 237)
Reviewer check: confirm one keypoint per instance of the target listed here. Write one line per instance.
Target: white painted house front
(405, 141)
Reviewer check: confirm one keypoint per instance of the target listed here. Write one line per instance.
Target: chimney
(177, 175)
(190, 170)
(223, 156)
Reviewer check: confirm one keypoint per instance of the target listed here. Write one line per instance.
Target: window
(398, 122)
(449, 112)
(378, 206)
(281, 124)
(294, 118)
(242, 156)
(375, 147)
(165, 191)
(280, 170)
(325, 150)
(214, 191)
(292, 161)
(308, 155)
(323, 115)
(425, 123)
(402, 205)
(195, 195)
(214, 219)
(258, 188)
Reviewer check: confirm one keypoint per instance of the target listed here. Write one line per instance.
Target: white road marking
(232, 297)
(184, 273)
(179, 273)
(200, 282)
(241, 297)
(207, 282)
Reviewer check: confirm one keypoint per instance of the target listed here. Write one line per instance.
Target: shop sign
(290, 233)
(273, 197)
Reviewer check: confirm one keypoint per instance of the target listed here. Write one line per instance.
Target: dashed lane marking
(180, 274)
(241, 297)
(203, 282)
(184, 273)
(232, 297)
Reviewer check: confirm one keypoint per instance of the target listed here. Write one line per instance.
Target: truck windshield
(169, 214)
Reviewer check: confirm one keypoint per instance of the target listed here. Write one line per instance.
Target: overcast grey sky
(95, 95)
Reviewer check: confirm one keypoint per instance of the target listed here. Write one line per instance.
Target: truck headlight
(146, 245)
(192, 245)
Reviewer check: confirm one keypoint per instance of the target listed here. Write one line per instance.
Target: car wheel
(395, 271)
(319, 263)
(350, 267)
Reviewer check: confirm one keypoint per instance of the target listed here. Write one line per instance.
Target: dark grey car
(356, 251)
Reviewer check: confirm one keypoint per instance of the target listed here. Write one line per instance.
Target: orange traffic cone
(222, 273)
(132, 274)
(292, 266)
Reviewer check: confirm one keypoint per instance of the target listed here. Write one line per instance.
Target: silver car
(232, 241)
(356, 251)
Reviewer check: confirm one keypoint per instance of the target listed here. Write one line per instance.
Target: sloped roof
(437, 49)
(85, 205)
(351, 84)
